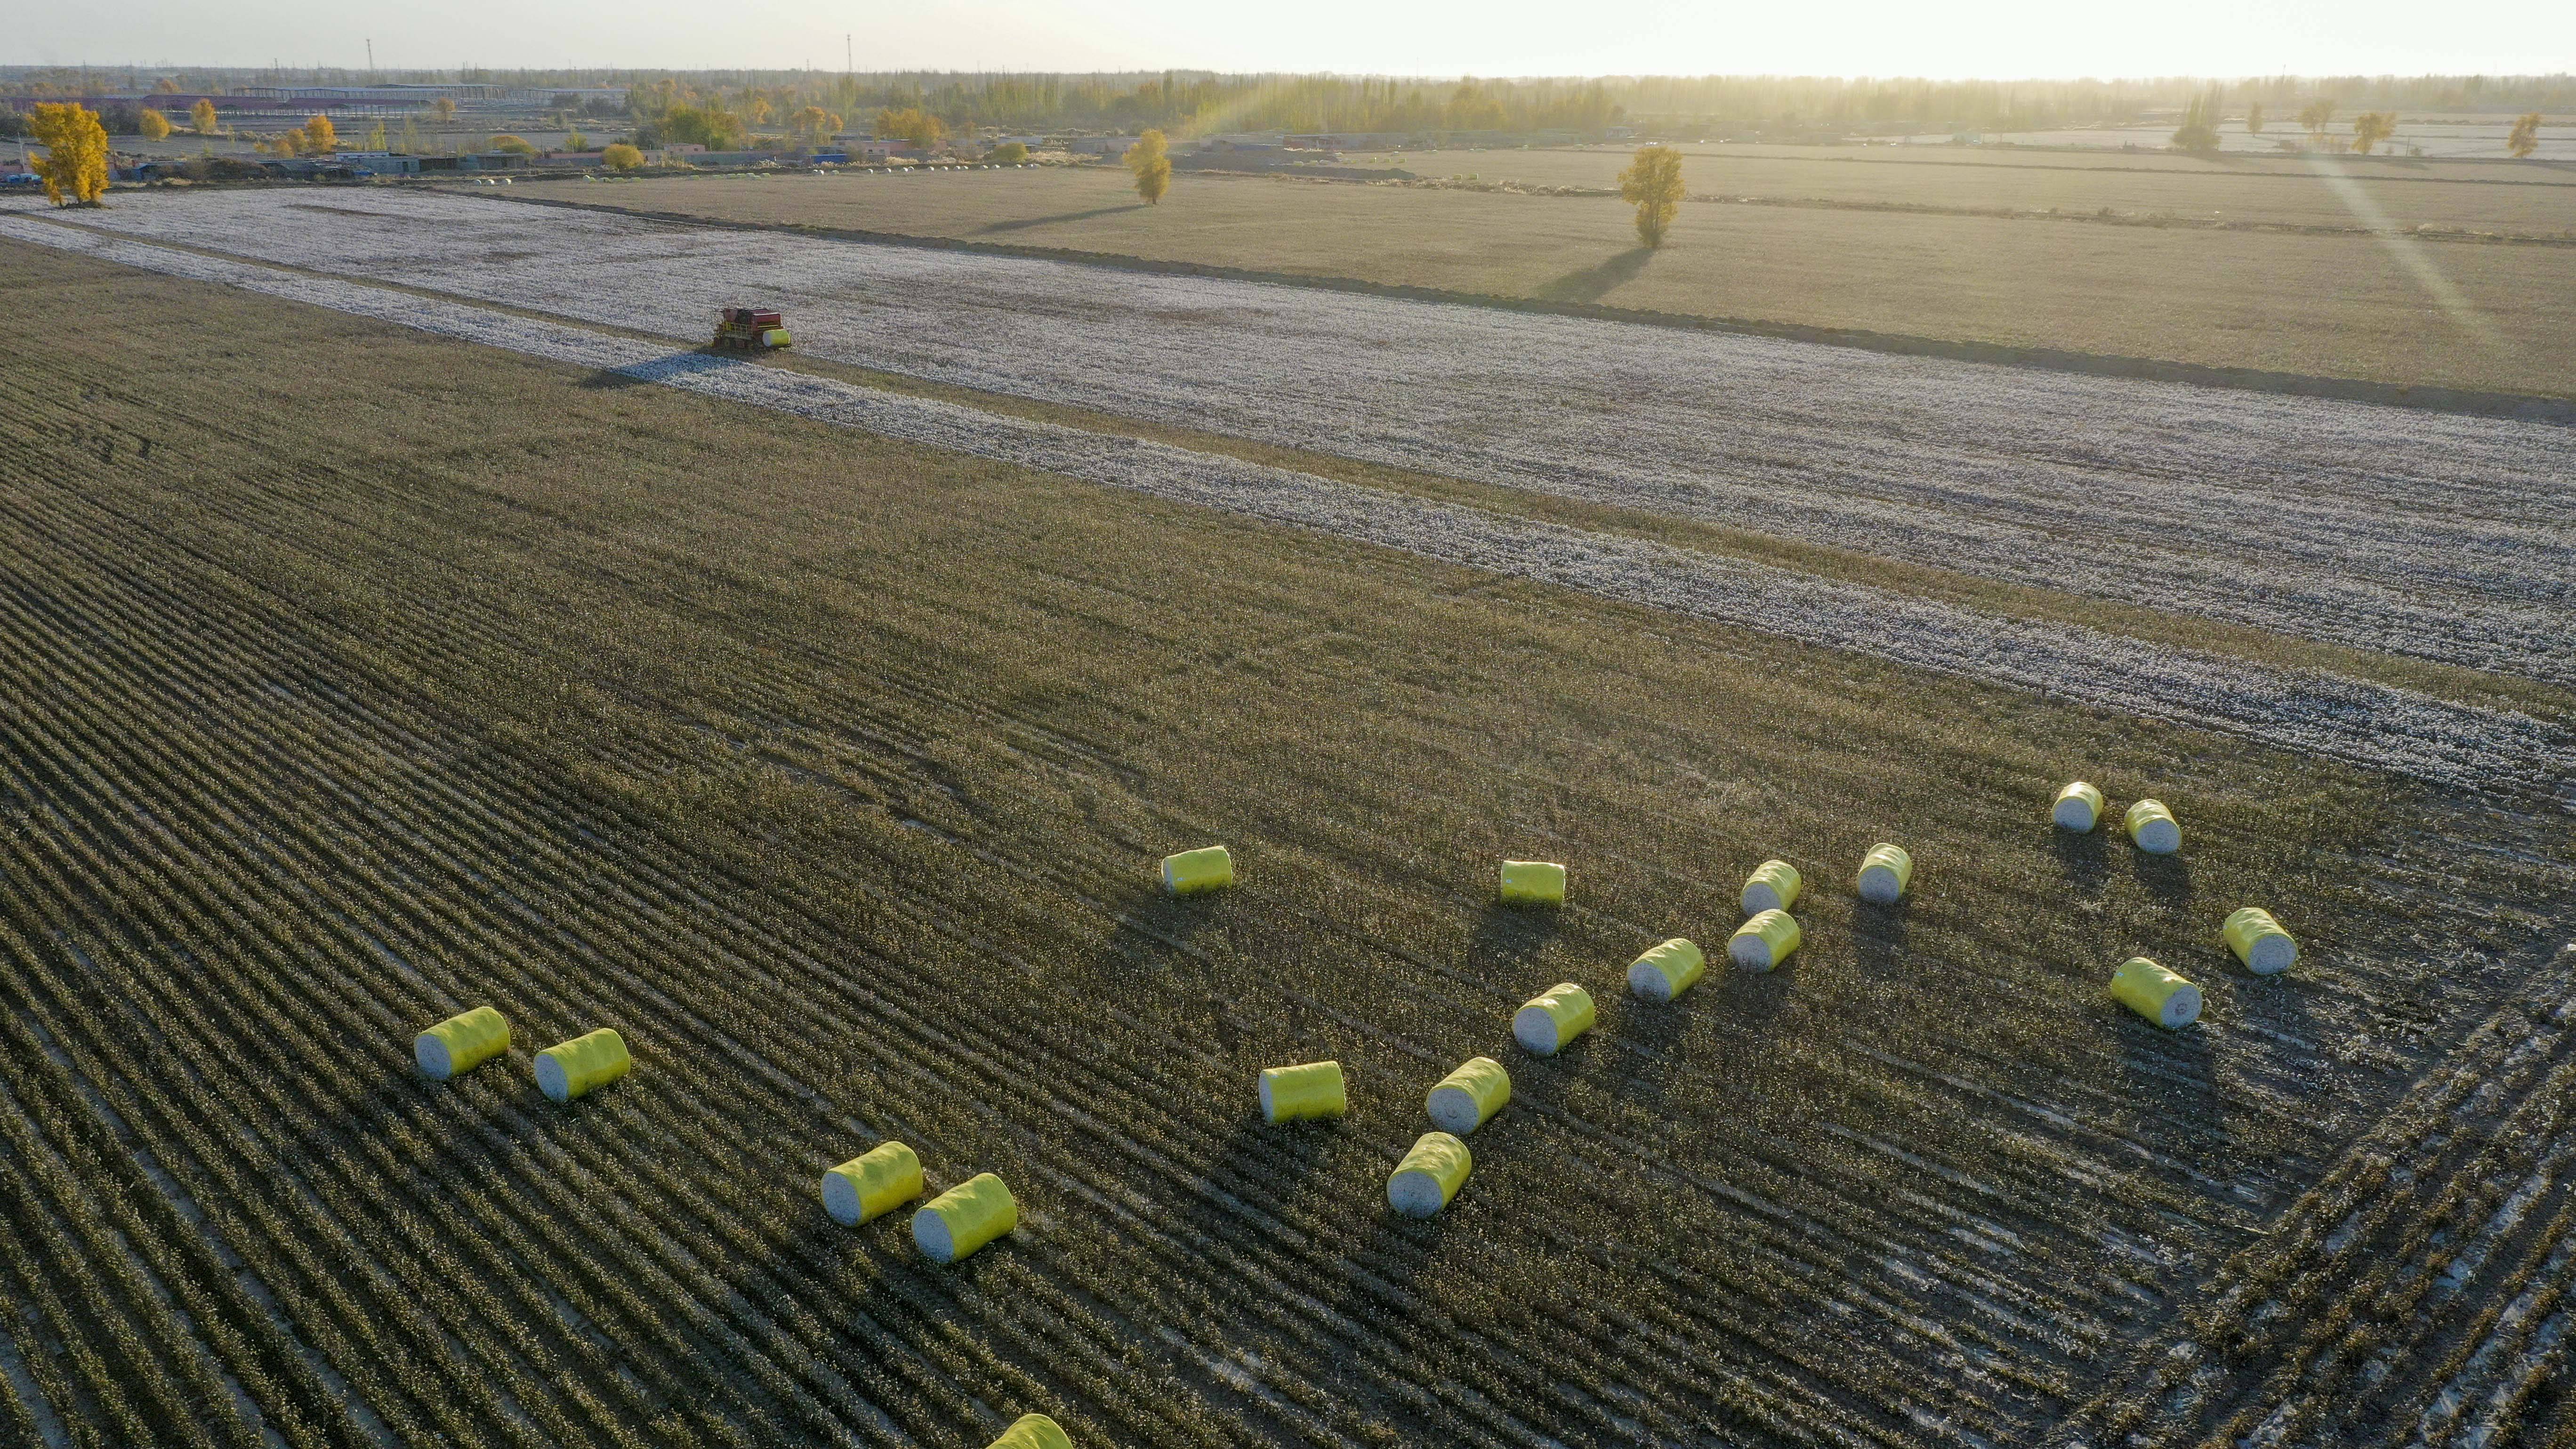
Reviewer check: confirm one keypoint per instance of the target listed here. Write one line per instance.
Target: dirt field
(346, 693)
(2310, 305)
(2533, 201)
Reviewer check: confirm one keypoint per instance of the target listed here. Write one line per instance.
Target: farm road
(2320, 714)
(2421, 534)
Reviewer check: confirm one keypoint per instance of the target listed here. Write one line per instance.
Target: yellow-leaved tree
(1151, 160)
(154, 125)
(75, 165)
(2372, 127)
(814, 124)
(320, 137)
(911, 124)
(1653, 184)
(202, 116)
(515, 145)
(622, 157)
(2525, 137)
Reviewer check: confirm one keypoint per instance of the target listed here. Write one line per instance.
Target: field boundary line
(2524, 407)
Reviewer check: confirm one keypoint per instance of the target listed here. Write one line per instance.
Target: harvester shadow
(660, 369)
(2084, 860)
(1027, 222)
(1594, 282)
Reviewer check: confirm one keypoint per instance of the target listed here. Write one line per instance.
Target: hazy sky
(2009, 38)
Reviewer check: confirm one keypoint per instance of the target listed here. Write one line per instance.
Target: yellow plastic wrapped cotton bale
(582, 1065)
(1773, 886)
(2259, 941)
(1668, 970)
(1885, 873)
(1209, 868)
(2078, 808)
(1765, 941)
(461, 1043)
(872, 1184)
(2154, 828)
(1467, 1098)
(1033, 1431)
(1430, 1175)
(1311, 1089)
(1549, 1022)
(1533, 883)
(2156, 993)
(965, 1218)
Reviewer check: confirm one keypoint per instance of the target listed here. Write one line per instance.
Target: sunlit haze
(2018, 38)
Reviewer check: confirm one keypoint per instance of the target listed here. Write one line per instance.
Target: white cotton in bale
(2259, 942)
(461, 1043)
(1469, 1097)
(582, 1065)
(2154, 828)
(1549, 1022)
(965, 1218)
(1762, 943)
(1430, 1175)
(2078, 808)
(876, 1182)
(1885, 874)
(1666, 971)
(1773, 886)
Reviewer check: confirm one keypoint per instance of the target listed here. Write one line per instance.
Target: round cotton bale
(1773, 886)
(1468, 1098)
(2259, 941)
(2078, 808)
(582, 1065)
(1311, 1089)
(1209, 868)
(1549, 1022)
(1668, 970)
(1430, 1175)
(872, 1184)
(2153, 827)
(1885, 873)
(1533, 883)
(1033, 1431)
(1765, 941)
(964, 1218)
(461, 1043)
(2156, 993)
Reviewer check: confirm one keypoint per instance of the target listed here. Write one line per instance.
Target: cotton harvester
(748, 330)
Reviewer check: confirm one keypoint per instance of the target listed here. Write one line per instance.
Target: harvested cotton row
(1668, 970)
(2078, 808)
(2154, 828)
(1773, 886)
(1885, 873)
(582, 1065)
(1209, 868)
(2156, 993)
(965, 1218)
(1033, 1431)
(2259, 941)
(872, 1184)
(1765, 941)
(1469, 1097)
(1549, 1022)
(1533, 883)
(1310, 1089)
(461, 1043)
(1430, 1175)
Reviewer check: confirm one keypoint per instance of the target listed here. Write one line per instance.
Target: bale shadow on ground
(1591, 284)
(2083, 859)
(1507, 938)
(2166, 877)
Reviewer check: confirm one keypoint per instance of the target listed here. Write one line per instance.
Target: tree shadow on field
(1592, 283)
(1027, 222)
(2084, 860)
(1508, 938)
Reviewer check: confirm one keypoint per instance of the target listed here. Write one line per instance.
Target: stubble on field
(411, 675)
